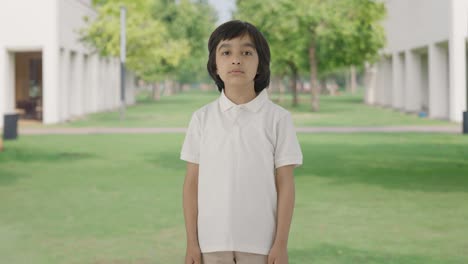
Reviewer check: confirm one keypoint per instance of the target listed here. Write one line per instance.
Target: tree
(162, 36)
(331, 34)
(192, 21)
(341, 33)
(282, 32)
(149, 46)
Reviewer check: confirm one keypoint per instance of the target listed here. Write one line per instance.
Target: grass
(360, 198)
(175, 111)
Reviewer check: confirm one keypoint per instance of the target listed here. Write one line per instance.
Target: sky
(224, 8)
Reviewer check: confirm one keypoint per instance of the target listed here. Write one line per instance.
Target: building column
(398, 80)
(412, 86)
(3, 82)
(64, 85)
(388, 82)
(379, 88)
(78, 85)
(116, 82)
(94, 82)
(51, 84)
(424, 81)
(438, 82)
(72, 87)
(85, 85)
(7, 83)
(102, 88)
(457, 59)
(370, 83)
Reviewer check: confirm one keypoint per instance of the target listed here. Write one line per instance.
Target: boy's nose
(235, 60)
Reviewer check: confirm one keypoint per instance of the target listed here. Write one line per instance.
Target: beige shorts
(231, 257)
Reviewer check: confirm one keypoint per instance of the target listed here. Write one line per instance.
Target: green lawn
(175, 111)
(360, 198)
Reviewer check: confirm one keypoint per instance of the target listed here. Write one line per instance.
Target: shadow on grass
(14, 156)
(8, 176)
(165, 160)
(421, 167)
(36, 155)
(326, 253)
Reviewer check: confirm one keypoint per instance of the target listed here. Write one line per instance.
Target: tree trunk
(353, 80)
(293, 83)
(348, 81)
(281, 90)
(156, 91)
(178, 87)
(274, 86)
(168, 87)
(301, 86)
(314, 89)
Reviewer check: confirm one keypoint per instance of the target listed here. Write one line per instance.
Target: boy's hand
(193, 255)
(278, 255)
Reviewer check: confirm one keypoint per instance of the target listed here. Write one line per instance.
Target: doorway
(28, 85)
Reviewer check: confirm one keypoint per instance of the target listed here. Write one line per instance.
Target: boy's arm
(286, 195)
(190, 200)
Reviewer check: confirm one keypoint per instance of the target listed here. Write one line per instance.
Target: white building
(45, 72)
(423, 67)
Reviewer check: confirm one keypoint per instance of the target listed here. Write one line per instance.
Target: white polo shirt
(238, 148)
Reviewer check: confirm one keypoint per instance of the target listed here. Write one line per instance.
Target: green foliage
(192, 21)
(351, 36)
(162, 36)
(277, 23)
(344, 32)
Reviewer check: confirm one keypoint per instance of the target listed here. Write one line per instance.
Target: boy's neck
(240, 95)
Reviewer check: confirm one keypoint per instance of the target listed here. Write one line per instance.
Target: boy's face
(237, 61)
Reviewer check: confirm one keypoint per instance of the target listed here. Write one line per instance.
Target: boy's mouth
(236, 71)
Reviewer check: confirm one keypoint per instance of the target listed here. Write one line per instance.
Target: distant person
(241, 150)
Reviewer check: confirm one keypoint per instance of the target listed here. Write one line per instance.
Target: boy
(241, 150)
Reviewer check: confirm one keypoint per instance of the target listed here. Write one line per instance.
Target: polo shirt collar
(253, 106)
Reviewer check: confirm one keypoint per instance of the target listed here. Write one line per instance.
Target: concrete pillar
(101, 87)
(3, 81)
(438, 82)
(106, 81)
(413, 85)
(398, 67)
(72, 87)
(78, 85)
(94, 82)
(85, 86)
(379, 88)
(116, 82)
(457, 59)
(7, 78)
(7, 83)
(388, 82)
(104, 87)
(64, 104)
(424, 68)
(370, 83)
(51, 55)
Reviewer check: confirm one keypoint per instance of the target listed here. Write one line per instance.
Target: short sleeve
(191, 147)
(287, 149)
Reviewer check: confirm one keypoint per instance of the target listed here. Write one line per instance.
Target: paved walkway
(143, 130)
